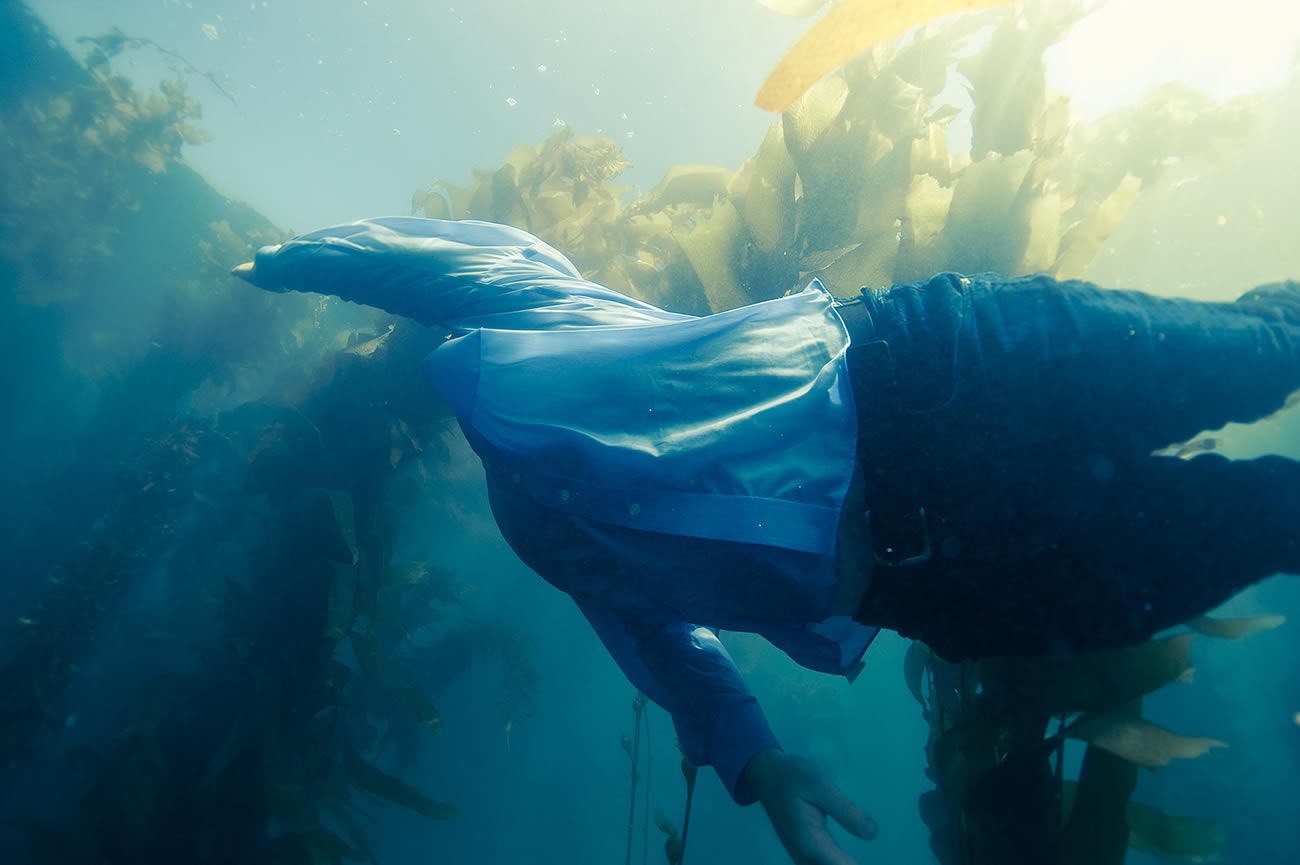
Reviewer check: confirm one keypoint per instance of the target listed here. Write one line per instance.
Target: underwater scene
(258, 605)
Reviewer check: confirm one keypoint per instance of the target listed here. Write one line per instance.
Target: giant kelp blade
(1234, 629)
(1174, 838)
(379, 783)
(1096, 810)
(915, 663)
(713, 248)
(848, 29)
(1092, 682)
(1139, 741)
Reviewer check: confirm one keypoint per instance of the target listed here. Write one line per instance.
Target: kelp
(270, 523)
(72, 164)
(858, 183)
(989, 726)
(847, 30)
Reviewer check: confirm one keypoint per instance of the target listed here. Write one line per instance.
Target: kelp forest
(231, 472)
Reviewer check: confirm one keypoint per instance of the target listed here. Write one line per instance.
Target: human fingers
(842, 809)
(243, 271)
(814, 844)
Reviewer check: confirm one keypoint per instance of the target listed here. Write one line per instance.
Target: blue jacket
(669, 472)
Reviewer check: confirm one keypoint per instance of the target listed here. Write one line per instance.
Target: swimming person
(967, 460)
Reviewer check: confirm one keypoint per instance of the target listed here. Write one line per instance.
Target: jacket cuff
(738, 733)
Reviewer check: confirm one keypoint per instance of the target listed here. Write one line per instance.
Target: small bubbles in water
(541, 67)
(511, 101)
(596, 91)
(628, 134)
(69, 722)
(210, 31)
(559, 122)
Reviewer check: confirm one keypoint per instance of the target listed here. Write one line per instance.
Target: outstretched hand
(247, 272)
(798, 798)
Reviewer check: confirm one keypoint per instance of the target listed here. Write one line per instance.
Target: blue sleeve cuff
(737, 733)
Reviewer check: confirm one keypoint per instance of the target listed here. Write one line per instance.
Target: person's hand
(249, 272)
(798, 798)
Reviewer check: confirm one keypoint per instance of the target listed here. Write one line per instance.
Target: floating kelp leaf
(713, 248)
(1081, 242)
(769, 205)
(1185, 450)
(368, 348)
(596, 157)
(1139, 741)
(688, 184)
(928, 203)
(870, 263)
(153, 159)
(458, 196)
(1234, 629)
(988, 221)
(942, 115)
(930, 153)
(808, 119)
(523, 156)
(1181, 839)
(824, 258)
(1044, 234)
(1094, 810)
(375, 781)
(665, 825)
(1093, 682)
(915, 664)
(923, 248)
(848, 29)
(194, 135)
(1150, 830)
(341, 606)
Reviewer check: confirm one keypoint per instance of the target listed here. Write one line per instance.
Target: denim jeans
(1007, 428)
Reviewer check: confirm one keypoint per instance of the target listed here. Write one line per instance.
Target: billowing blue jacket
(672, 473)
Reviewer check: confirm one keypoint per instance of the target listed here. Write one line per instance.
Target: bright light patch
(1115, 56)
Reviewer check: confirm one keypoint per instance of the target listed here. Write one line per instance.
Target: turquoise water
(121, 364)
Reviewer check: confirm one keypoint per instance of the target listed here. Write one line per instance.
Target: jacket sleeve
(685, 669)
(459, 274)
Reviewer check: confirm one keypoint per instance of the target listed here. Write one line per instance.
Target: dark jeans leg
(1022, 417)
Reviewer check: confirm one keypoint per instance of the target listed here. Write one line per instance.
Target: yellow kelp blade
(1234, 629)
(1139, 741)
(1169, 836)
(848, 29)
